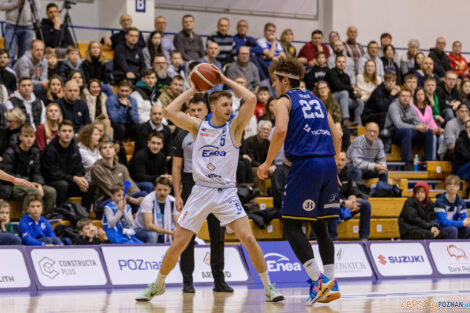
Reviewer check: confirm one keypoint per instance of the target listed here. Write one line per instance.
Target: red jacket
(309, 51)
(458, 64)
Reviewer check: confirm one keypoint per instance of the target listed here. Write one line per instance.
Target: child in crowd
(89, 233)
(7, 236)
(72, 63)
(117, 219)
(177, 65)
(263, 97)
(34, 229)
(451, 212)
(52, 64)
(316, 72)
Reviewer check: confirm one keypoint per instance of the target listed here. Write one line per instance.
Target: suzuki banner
(14, 273)
(400, 259)
(57, 267)
(452, 258)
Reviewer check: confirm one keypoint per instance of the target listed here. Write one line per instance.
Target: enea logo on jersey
(212, 151)
(401, 259)
(277, 262)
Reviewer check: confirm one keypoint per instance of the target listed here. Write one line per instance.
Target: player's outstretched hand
(263, 171)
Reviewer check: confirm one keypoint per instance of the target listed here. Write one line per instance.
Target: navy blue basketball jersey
(308, 132)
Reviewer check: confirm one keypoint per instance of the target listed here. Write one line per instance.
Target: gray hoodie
(12, 10)
(25, 67)
(399, 117)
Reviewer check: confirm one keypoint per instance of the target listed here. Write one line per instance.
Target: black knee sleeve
(325, 244)
(297, 240)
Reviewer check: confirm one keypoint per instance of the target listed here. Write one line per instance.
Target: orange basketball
(204, 77)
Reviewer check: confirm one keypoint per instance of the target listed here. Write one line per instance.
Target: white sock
(160, 280)
(329, 271)
(265, 279)
(311, 267)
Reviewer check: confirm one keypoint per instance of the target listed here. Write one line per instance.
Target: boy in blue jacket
(451, 212)
(34, 229)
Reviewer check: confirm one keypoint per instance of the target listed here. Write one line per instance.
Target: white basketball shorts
(222, 202)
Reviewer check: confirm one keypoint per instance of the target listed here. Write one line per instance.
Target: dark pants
(50, 240)
(405, 137)
(65, 190)
(452, 232)
(244, 171)
(10, 239)
(464, 172)
(217, 237)
(447, 114)
(364, 221)
(421, 233)
(358, 175)
(123, 131)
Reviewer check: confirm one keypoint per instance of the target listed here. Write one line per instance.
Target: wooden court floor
(391, 296)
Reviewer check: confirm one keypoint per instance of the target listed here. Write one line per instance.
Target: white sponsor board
(13, 271)
(234, 270)
(350, 261)
(68, 267)
(136, 265)
(400, 259)
(451, 258)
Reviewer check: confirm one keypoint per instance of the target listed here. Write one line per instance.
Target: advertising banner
(14, 273)
(452, 258)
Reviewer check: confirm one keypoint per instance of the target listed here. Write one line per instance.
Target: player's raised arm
(174, 113)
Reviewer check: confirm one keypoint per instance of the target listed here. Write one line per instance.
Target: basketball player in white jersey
(215, 159)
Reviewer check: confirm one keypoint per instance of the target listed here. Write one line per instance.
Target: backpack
(72, 212)
(382, 189)
(68, 234)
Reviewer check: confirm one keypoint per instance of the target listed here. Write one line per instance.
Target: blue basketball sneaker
(318, 288)
(331, 295)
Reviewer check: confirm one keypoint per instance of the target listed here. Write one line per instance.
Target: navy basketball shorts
(312, 190)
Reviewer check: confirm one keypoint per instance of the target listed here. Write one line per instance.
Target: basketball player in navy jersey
(311, 141)
(215, 160)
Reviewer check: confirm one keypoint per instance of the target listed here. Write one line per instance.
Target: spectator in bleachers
(88, 140)
(317, 72)
(278, 182)
(440, 58)
(272, 48)
(366, 155)
(55, 90)
(407, 59)
(347, 96)
(354, 49)
(62, 167)
(449, 96)
(385, 40)
(388, 60)
(146, 94)
(24, 98)
(169, 93)
(451, 211)
(309, 50)
(432, 100)
(167, 42)
(19, 33)
(7, 74)
(129, 61)
(89, 233)
(7, 235)
(14, 118)
(107, 173)
(465, 91)
(153, 124)
(23, 161)
(333, 36)
(262, 96)
(56, 36)
(461, 163)
(244, 168)
(257, 146)
(117, 219)
(53, 65)
(176, 66)
(187, 42)
(33, 65)
(287, 37)
(457, 61)
(96, 102)
(212, 51)
(426, 71)
(93, 66)
(338, 49)
(410, 83)
(417, 219)
(406, 129)
(242, 67)
(451, 132)
(154, 46)
(47, 131)
(224, 41)
(74, 109)
(242, 39)
(149, 163)
(120, 38)
(157, 216)
(34, 229)
(349, 203)
(123, 112)
(160, 67)
(368, 80)
(372, 54)
(80, 79)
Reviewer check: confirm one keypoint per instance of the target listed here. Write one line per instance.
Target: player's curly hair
(288, 65)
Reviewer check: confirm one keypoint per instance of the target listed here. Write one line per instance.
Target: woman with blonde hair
(47, 131)
(55, 89)
(88, 140)
(15, 118)
(96, 102)
(94, 66)
(287, 37)
(368, 80)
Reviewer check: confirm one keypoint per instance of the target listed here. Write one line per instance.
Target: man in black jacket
(128, 58)
(155, 123)
(376, 107)
(7, 75)
(120, 37)
(55, 36)
(448, 95)
(347, 96)
(440, 58)
(62, 167)
(74, 109)
(23, 161)
(461, 164)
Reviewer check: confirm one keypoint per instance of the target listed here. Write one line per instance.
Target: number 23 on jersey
(311, 109)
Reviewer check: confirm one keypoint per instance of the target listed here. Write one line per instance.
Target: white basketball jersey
(215, 157)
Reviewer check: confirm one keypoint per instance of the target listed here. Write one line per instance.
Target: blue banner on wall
(140, 6)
